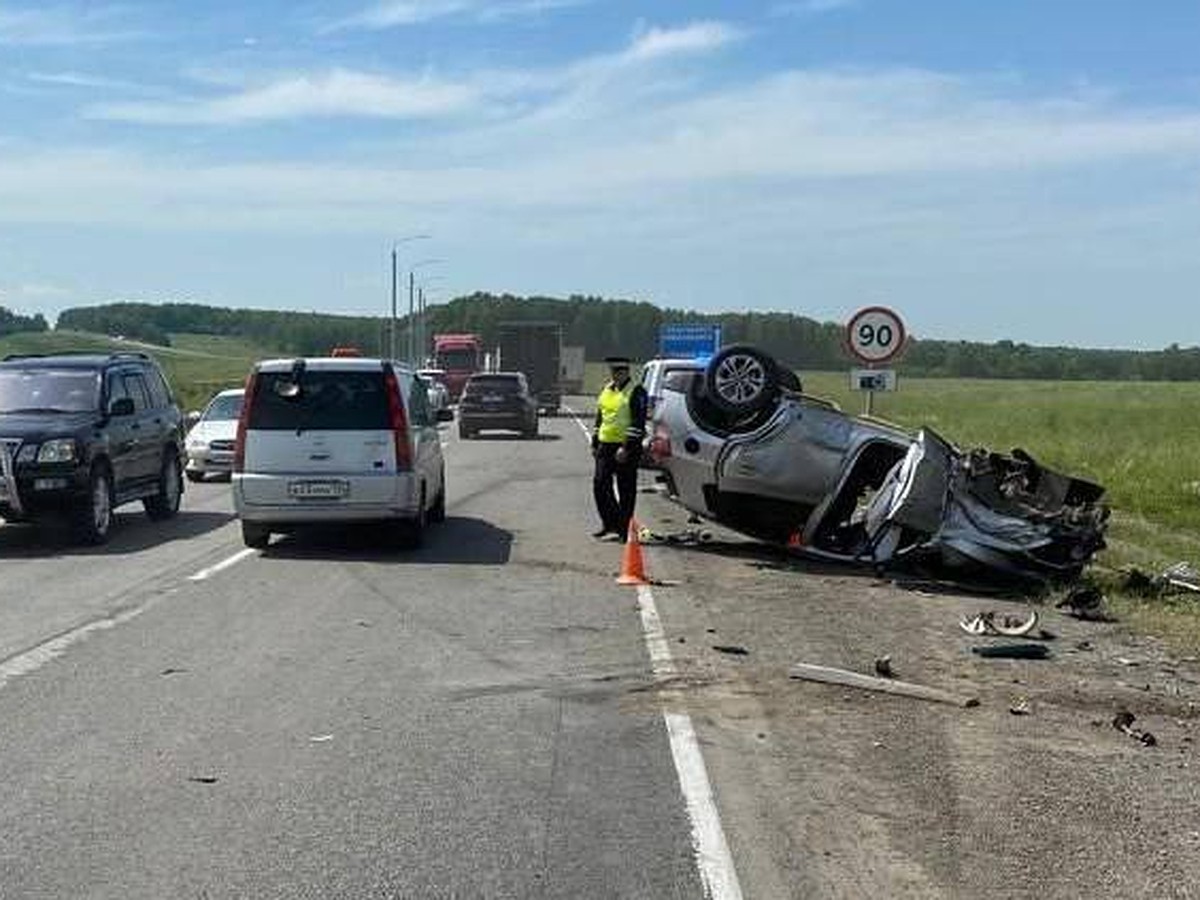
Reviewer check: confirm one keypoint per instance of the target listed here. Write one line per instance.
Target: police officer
(617, 447)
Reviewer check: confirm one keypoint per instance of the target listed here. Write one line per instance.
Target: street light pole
(393, 334)
(412, 308)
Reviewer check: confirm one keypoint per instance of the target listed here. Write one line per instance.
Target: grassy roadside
(196, 365)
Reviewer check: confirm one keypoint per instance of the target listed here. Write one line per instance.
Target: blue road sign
(688, 341)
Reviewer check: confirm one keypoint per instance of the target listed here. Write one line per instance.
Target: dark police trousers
(615, 510)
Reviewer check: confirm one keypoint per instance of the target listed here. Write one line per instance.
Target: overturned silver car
(742, 444)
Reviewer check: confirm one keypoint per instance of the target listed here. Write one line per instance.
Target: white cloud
(698, 37)
(397, 13)
(349, 93)
(810, 7)
(84, 80)
(63, 25)
(775, 138)
(339, 92)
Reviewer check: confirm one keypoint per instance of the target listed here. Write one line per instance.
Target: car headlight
(196, 443)
(60, 451)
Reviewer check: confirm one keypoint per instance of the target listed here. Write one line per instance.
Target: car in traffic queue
(84, 433)
(210, 440)
(497, 401)
(435, 383)
(337, 440)
(655, 375)
(739, 445)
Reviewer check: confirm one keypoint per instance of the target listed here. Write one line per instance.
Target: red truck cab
(460, 356)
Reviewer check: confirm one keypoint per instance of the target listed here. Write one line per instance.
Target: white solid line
(587, 434)
(713, 858)
(35, 658)
(205, 574)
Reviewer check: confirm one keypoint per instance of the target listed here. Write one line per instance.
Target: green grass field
(197, 365)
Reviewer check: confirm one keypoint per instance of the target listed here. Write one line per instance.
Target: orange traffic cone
(633, 566)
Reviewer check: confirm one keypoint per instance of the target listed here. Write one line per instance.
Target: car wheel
(256, 535)
(742, 380)
(92, 518)
(170, 490)
(464, 433)
(193, 477)
(409, 534)
(437, 512)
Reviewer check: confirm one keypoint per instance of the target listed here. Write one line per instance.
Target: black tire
(437, 512)
(256, 535)
(165, 504)
(742, 380)
(91, 520)
(409, 534)
(194, 477)
(465, 434)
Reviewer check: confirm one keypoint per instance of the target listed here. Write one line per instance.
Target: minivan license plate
(318, 490)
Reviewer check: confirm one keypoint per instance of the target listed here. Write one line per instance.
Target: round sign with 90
(875, 334)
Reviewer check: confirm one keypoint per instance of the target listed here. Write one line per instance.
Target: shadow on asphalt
(132, 532)
(459, 541)
(500, 436)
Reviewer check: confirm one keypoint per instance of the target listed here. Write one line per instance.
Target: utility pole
(412, 336)
(392, 334)
(420, 326)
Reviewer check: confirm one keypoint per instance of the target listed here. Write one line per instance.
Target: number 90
(870, 335)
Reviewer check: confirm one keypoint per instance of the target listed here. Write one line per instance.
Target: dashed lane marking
(587, 434)
(205, 574)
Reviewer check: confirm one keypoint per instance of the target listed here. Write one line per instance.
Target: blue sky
(1027, 169)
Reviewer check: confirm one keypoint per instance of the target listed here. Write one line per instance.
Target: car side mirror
(122, 406)
(445, 414)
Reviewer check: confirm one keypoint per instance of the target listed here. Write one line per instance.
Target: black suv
(497, 400)
(81, 434)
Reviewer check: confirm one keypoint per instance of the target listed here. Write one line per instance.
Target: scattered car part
(990, 623)
(883, 667)
(1181, 576)
(1123, 722)
(731, 649)
(1012, 651)
(827, 675)
(1085, 603)
(1021, 707)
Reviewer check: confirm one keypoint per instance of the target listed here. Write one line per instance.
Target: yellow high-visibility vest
(615, 414)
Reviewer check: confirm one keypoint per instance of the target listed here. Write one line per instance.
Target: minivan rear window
(327, 401)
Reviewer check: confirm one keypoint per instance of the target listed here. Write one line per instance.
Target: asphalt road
(492, 717)
(333, 718)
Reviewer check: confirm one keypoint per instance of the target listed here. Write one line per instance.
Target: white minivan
(337, 440)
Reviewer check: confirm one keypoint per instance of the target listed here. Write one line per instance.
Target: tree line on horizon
(606, 327)
(13, 323)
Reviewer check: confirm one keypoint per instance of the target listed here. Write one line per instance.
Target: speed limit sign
(875, 334)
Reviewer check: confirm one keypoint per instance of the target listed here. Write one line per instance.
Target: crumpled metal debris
(1123, 722)
(1181, 576)
(992, 623)
(1086, 603)
(681, 537)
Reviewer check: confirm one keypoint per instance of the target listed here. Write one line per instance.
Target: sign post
(875, 335)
